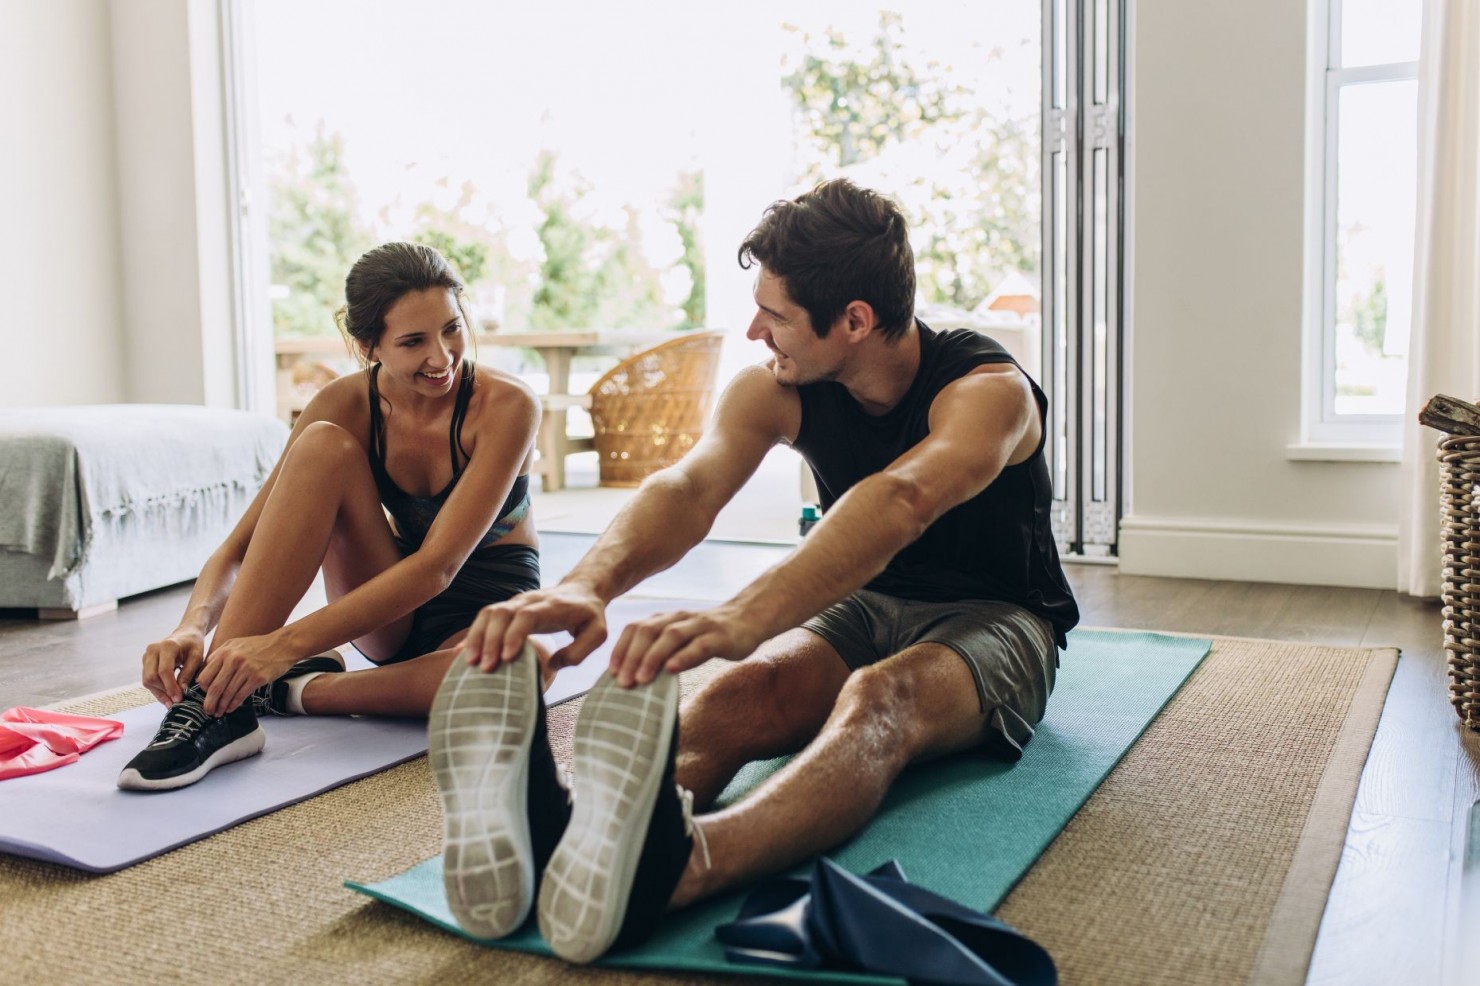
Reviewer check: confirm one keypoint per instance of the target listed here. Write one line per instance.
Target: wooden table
(557, 349)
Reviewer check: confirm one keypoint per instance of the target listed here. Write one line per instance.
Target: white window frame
(252, 325)
(1356, 436)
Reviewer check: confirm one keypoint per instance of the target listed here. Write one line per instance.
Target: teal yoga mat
(963, 826)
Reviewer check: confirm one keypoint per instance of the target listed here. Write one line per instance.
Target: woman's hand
(170, 665)
(238, 667)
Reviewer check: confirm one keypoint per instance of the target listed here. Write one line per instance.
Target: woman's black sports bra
(414, 514)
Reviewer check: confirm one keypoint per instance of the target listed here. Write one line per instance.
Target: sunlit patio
(765, 510)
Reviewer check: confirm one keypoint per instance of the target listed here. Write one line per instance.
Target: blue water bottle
(810, 517)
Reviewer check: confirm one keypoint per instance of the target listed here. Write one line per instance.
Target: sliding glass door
(1083, 157)
(590, 167)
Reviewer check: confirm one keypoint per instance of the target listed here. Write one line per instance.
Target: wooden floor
(1394, 914)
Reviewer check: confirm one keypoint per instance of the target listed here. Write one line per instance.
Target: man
(920, 617)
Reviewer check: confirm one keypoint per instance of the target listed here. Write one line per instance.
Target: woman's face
(423, 342)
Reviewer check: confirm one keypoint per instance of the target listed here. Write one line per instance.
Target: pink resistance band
(34, 740)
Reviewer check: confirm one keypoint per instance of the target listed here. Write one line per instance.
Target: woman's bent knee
(325, 440)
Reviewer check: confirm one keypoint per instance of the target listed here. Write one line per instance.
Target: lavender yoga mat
(76, 816)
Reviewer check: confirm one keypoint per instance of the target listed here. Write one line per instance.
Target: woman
(422, 434)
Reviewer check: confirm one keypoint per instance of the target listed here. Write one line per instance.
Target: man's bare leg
(769, 704)
(921, 703)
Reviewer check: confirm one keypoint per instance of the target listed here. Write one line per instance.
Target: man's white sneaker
(630, 835)
(503, 806)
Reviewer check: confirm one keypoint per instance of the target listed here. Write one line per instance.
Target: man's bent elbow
(910, 501)
(687, 494)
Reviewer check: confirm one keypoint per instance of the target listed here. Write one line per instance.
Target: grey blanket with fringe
(65, 470)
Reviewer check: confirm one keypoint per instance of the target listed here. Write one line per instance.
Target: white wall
(115, 255)
(1217, 130)
(172, 203)
(59, 261)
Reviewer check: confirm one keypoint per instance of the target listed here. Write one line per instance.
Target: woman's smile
(439, 378)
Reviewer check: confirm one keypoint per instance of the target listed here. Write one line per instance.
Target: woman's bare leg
(402, 689)
(324, 511)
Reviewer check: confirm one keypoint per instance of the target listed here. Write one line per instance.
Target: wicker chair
(649, 409)
(1460, 532)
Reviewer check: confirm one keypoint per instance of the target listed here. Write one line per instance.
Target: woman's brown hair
(382, 277)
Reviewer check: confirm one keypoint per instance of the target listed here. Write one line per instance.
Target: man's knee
(879, 708)
(745, 689)
(758, 706)
(916, 704)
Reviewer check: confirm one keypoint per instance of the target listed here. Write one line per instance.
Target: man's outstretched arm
(671, 512)
(978, 425)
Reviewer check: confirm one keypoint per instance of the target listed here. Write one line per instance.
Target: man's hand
(499, 630)
(171, 664)
(239, 666)
(677, 641)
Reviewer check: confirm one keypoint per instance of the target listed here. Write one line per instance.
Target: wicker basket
(649, 409)
(1460, 531)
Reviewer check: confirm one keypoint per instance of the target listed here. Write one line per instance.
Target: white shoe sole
(480, 731)
(238, 749)
(620, 751)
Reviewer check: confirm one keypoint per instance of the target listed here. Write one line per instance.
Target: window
(589, 188)
(1360, 231)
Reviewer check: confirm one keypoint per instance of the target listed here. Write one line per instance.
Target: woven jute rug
(1204, 858)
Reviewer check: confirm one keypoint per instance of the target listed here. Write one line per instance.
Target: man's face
(786, 329)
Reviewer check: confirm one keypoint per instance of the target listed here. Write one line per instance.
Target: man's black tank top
(998, 545)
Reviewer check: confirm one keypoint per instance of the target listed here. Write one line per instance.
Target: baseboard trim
(1356, 556)
(82, 613)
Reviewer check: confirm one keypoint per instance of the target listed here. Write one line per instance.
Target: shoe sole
(480, 732)
(621, 747)
(238, 749)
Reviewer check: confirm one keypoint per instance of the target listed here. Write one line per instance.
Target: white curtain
(1444, 348)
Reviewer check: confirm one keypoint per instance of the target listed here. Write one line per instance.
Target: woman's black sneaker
(271, 699)
(631, 833)
(190, 744)
(503, 806)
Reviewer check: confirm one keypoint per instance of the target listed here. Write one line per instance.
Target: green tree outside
(686, 213)
(588, 274)
(592, 275)
(478, 251)
(314, 236)
(973, 218)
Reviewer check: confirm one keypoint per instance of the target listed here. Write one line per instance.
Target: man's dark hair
(835, 244)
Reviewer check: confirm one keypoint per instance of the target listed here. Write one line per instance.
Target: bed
(104, 501)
